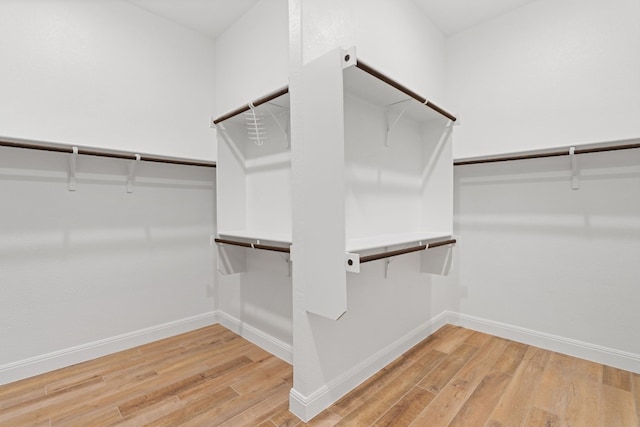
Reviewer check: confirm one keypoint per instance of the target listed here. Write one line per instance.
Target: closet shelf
(375, 87)
(253, 245)
(265, 99)
(258, 236)
(555, 152)
(389, 254)
(389, 240)
(101, 152)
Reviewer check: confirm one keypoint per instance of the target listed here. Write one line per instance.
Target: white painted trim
(571, 347)
(21, 369)
(271, 344)
(307, 407)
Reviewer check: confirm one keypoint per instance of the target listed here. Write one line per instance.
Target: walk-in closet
(305, 212)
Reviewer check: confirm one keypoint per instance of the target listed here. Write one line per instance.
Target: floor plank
(442, 374)
(478, 407)
(616, 378)
(514, 406)
(213, 377)
(540, 418)
(407, 409)
(617, 408)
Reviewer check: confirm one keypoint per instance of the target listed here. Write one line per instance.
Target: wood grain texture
(213, 377)
(513, 407)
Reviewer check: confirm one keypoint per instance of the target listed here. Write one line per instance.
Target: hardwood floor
(212, 377)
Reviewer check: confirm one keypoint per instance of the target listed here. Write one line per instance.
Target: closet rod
(102, 153)
(255, 103)
(253, 245)
(546, 154)
(388, 80)
(390, 254)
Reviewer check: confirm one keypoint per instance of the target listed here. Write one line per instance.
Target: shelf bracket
(287, 259)
(352, 262)
(284, 129)
(387, 261)
(575, 183)
(72, 169)
(131, 178)
(391, 124)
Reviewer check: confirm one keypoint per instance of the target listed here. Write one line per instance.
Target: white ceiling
(453, 16)
(212, 17)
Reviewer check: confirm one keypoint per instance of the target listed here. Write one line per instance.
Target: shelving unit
(254, 176)
(393, 148)
(399, 179)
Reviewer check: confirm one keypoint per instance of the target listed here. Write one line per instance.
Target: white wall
(535, 260)
(252, 56)
(384, 316)
(252, 60)
(552, 73)
(98, 263)
(534, 254)
(97, 270)
(105, 74)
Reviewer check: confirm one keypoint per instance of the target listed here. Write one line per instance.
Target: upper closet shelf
(277, 98)
(369, 84)
(258, 236)
(388, 240)
(101, 152)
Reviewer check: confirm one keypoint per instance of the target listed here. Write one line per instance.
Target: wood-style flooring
(213, 377)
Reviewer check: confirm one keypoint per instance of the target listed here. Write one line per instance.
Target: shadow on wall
(536, 254)
(535, 196)
(266, 296)
(118, 261)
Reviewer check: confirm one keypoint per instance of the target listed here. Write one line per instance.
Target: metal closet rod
(388, 80)
(253, 245)
(390, 254)
(103, 153)
(546, 154)
(259, 101)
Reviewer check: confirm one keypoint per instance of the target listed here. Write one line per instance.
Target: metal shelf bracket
(73, 158)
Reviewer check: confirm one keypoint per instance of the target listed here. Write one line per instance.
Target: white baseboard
(307, 407)
(571, 347)
(271, 344)
(59, 359)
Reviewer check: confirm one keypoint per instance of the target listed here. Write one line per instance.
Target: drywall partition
(96, 270)
(384, 317)
(105, 74)
(522, 85)
(251, 62)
